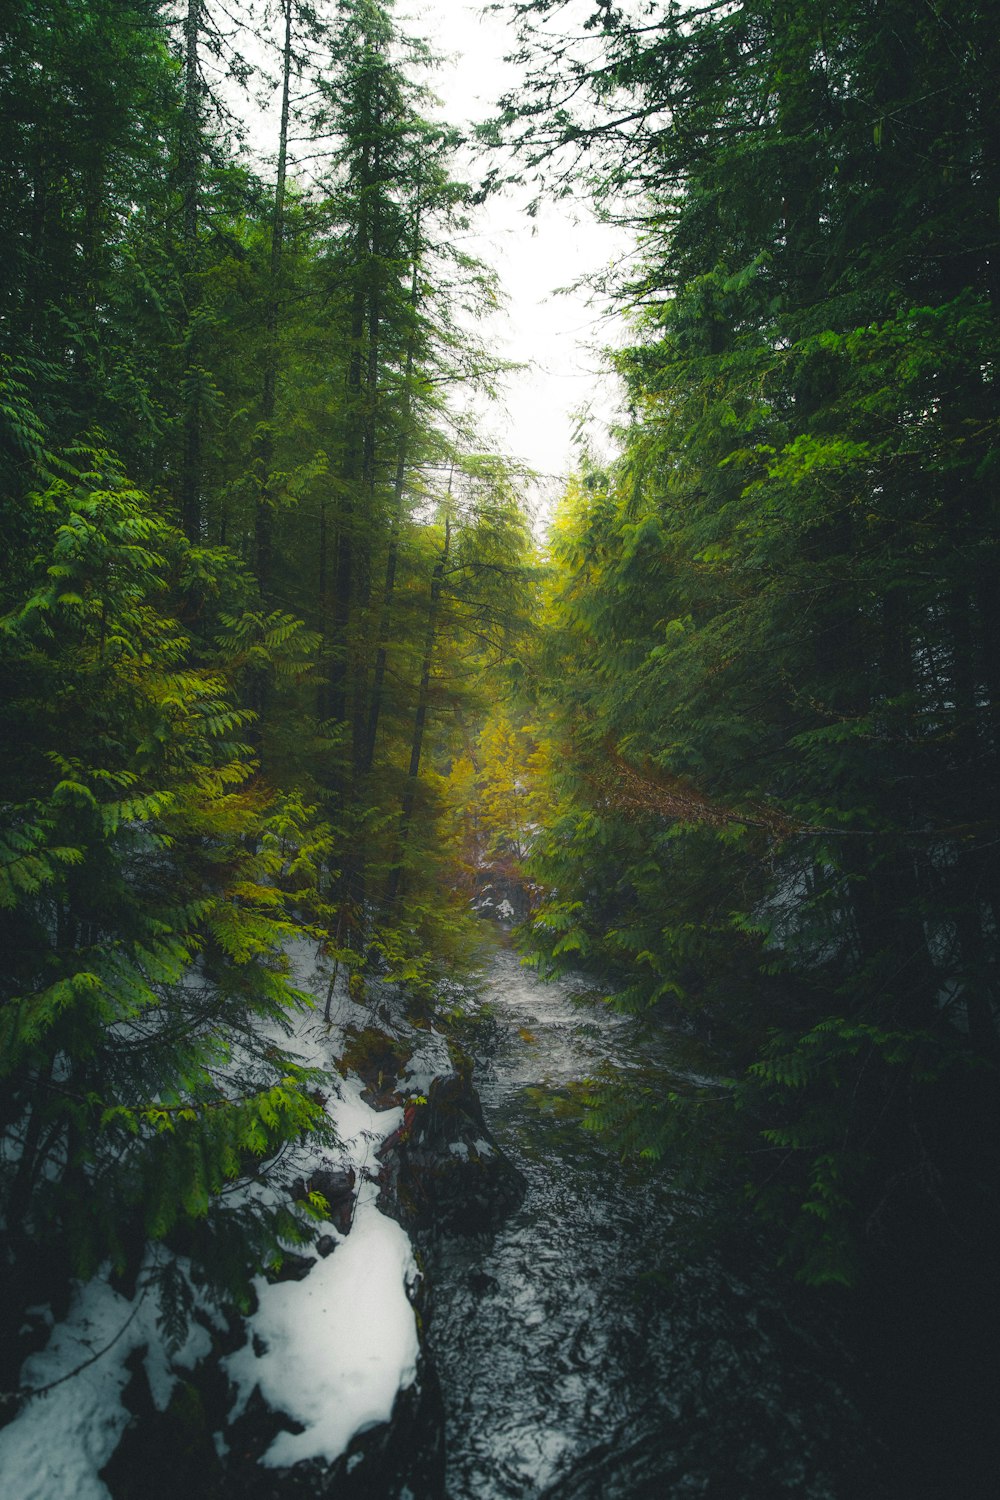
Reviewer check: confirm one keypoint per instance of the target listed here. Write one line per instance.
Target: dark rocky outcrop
(404, 1454)
(378, 1059)
(166, 1454)
(334, 1183)
(502, 892)
(163, 1454)
(442, 1172)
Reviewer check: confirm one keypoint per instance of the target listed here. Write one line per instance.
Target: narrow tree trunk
(35, 289)
(362, 582)
(264, 518)
(420, 717)
(978, 972)
(344, 564)
(190, 165)
(322, 691)
(353, 460)
(363, 568)
(392, 557)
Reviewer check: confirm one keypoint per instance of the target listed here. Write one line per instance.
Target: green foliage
(141, 903)
(771, 662)
(254, 573)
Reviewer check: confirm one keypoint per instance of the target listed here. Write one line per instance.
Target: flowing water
(598, 1347)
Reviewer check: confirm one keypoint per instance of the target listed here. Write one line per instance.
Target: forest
(284, 662)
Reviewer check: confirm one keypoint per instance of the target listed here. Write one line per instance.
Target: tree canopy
(255, 564)
(276, 660)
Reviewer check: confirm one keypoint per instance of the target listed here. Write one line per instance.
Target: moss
(378, 1059)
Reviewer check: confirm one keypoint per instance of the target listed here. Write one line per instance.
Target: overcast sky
(558, 336)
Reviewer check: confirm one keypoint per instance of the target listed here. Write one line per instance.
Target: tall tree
(190, 149)
(140, 984)
(773, 652)
(264, 521)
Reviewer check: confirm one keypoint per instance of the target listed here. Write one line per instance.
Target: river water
(598, 1347)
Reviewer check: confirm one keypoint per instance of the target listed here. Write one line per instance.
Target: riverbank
(319, 1386)
(495, 1309)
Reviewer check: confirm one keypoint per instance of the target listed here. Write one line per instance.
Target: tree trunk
(264, 518)
(420, 717)
(354, 451)
(392, 557)
(190, 165)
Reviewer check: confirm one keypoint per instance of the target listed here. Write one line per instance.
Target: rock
(376, 1057)
(293, 1267)
(442, 1171)
(381, 1100)
(405, 1453)
(503, 894)
(164, 1454)
(247, 1440)
(336, 1185)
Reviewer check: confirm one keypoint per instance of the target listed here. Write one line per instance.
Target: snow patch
(336, 1347)
(56, 1446)
(339, 1345)
(430, 1060)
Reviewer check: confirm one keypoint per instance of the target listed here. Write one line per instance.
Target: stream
(598, 1347)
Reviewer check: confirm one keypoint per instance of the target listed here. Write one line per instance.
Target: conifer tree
(145, 992)
(776, 657)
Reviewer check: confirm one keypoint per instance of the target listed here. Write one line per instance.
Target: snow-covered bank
(330, 1352)
(58, 1444)
(336, 1347)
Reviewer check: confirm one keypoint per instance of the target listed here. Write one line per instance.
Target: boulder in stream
(442, 1171)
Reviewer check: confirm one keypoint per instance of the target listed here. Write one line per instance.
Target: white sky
(558, 336)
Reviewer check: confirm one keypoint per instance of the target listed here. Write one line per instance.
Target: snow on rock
(339, 1345)
(430, 1060)
(360, 1129)
(57, 1445)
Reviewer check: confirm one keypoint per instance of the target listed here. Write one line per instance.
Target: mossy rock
(377, 1058)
